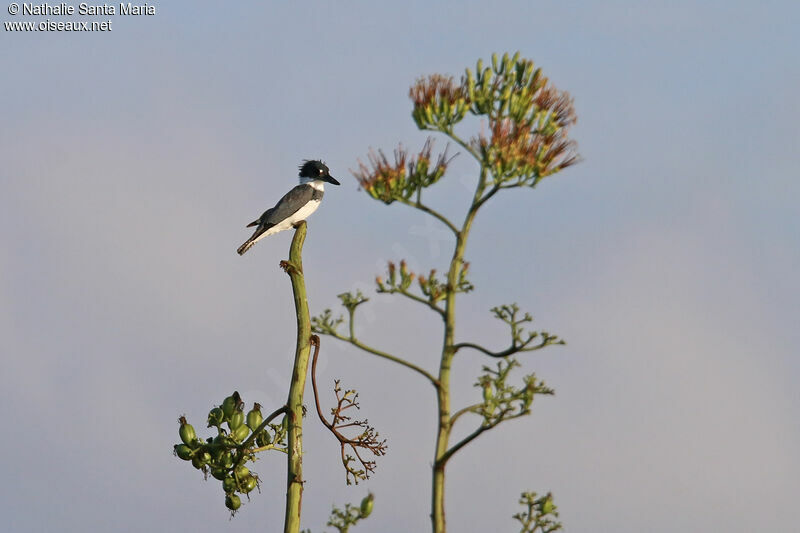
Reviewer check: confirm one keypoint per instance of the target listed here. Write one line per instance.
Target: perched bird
(296, 205)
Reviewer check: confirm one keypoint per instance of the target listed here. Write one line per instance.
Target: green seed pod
(241, 472)
(248, 483)
(229, 404)
(548, 506)
(186, 431)
(183, 451)
(366, 505)
(240, 433)
(201, 459)
(494, 62)
(215, 417)
(479, 66)
(218, 456)
(236, 419)
(219, 473)
(254, 417)
(229, 484)
(227, 460)
(263, 438)
(232, 502)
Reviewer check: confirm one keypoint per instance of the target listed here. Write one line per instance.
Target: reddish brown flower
(389, 181)
(434, 89)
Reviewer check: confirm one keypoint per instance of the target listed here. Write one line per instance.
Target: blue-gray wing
(287, 206)
(291, 202)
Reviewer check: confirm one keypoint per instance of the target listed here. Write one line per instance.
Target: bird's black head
(316, 170)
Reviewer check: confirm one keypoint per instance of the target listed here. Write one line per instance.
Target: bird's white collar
(316, 184)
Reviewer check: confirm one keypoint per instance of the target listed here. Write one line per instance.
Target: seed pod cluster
(239, 436)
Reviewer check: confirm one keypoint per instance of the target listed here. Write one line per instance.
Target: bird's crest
(313, 169)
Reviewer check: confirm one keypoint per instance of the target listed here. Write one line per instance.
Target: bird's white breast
(287, 223)
(304, 212)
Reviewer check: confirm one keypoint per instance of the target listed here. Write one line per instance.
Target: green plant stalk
(445, 422)
(294, 482)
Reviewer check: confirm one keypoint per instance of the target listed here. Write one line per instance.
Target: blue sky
(668, 260)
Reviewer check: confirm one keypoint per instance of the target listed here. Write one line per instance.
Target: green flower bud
(429, 114)
(548, 506)
(366, 505)
(488, 393)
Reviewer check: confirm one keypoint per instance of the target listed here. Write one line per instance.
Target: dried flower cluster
(438, 101)
(522, 154)
(528, 121)
(400, 180)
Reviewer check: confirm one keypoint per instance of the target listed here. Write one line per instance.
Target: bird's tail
(246, 246)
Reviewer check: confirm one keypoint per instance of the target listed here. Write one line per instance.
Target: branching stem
(424, 208)
(256, 431)
(399, 360)
(368, 439)
(419, 299)
(509, 351)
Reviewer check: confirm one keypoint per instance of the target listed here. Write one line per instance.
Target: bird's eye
(321, 172)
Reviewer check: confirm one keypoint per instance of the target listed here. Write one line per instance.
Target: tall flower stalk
(528, 122)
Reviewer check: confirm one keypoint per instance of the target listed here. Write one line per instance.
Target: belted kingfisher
(296, 205)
